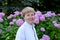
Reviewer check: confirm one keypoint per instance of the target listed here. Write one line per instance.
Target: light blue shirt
(26, 32)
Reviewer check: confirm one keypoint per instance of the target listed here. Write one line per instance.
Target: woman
(27, 30)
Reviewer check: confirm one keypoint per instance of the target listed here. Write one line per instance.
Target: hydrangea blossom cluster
(45, 37)
(19, 22)
(49, 14)
(16, 13)
(42, 29)
(56, 24)
(1, 16)
(38, 17)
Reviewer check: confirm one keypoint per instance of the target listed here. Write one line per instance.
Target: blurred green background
(10, 6)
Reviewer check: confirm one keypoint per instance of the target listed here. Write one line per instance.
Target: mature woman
(27, 30)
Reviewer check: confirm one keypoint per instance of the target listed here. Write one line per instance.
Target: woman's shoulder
(22, 27)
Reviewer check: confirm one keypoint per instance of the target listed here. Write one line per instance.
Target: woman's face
(29, 17)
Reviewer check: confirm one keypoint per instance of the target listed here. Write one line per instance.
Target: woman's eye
(32, 14)
(27, 15)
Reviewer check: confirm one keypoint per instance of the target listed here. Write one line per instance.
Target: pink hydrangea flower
(57, 25)
(19, 22)
(42, 29)
(11, 23)
(38, 13)
(45, 37)
(16, 13)
(48, 14)
(14, 20)
(36, 21)
(10, 16)
(36, 16)
(42, 18)
(1, 14)
(54, 22)
(1, 20)
(53, 14)
(58, 14)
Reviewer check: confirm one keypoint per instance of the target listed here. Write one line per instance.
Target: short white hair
(27, 10)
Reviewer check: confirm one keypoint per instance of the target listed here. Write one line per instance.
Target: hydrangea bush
(47, 25)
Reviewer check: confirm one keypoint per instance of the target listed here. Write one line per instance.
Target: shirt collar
(29, 25)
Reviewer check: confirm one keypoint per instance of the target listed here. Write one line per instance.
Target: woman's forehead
(30, 13)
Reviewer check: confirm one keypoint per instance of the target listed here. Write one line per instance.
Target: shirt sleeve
(20, 34)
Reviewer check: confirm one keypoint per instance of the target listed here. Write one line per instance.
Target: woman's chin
(31, 22)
